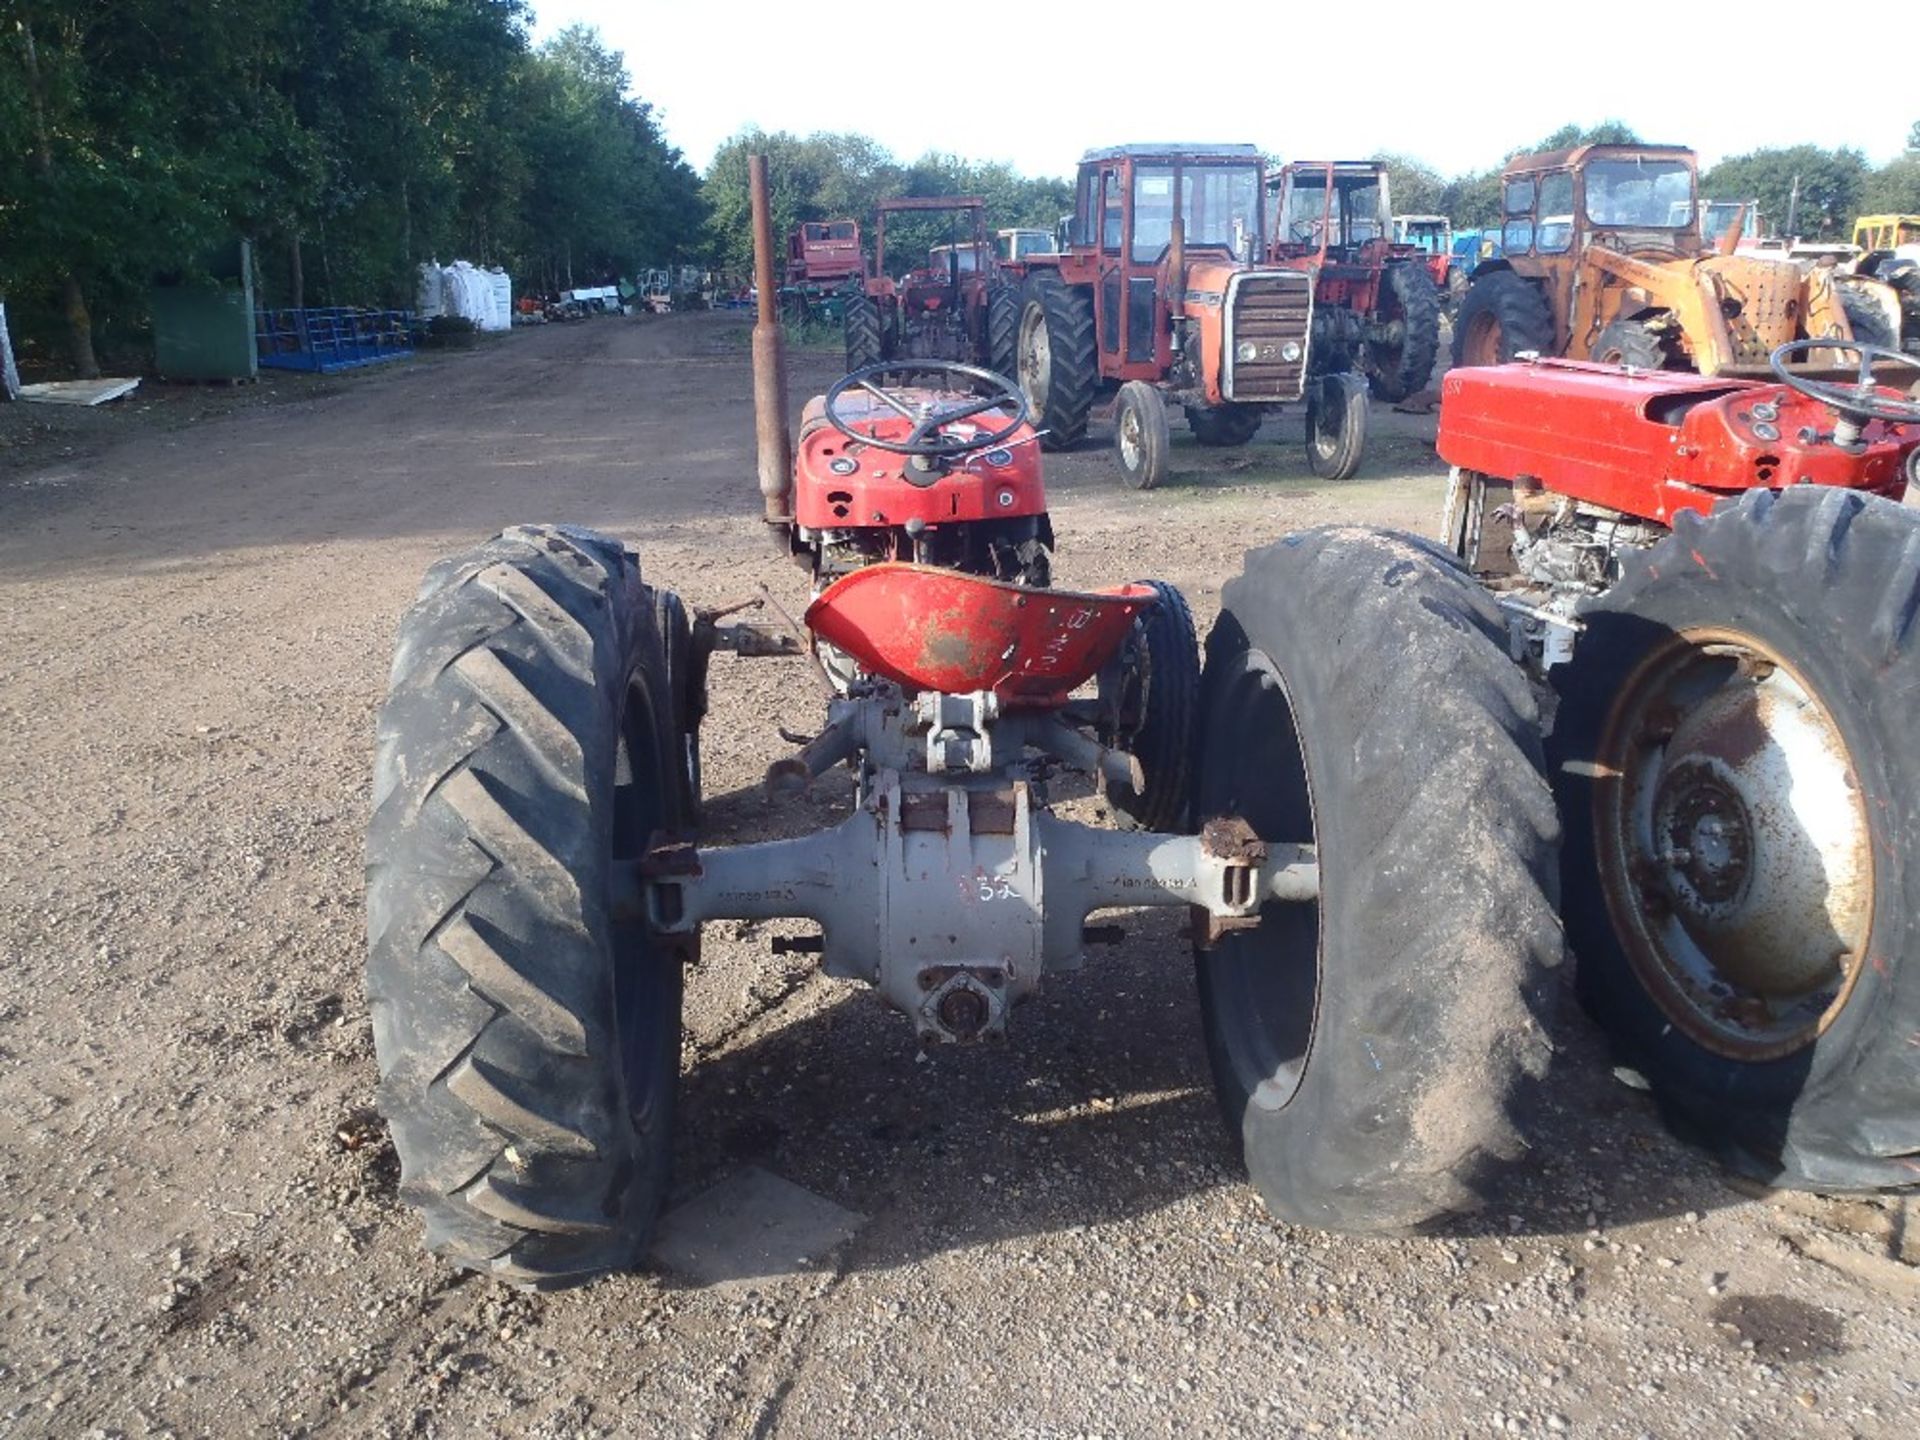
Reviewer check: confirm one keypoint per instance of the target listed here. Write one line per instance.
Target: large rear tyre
(1153, 695)
(1337, 414)
(1055, 363)
(860, 320)
(1141, 441)
(1630, 343)
(1870, 324)
(1904, 277)
(1739, 795)
(528, 1037)
(1003, 329)
(1403, 365)
(1374, 1051)
(1222, 426)
(1502, 316)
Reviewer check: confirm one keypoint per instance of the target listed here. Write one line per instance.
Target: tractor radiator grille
(1269, 308)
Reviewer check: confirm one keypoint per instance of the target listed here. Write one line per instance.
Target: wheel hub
(1737, 841)
(1035, 358)
(1130, 439)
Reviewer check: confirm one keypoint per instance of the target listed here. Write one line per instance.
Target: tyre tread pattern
(1412, 361)
(488, 970)
(1075, 366)
(1440, 939)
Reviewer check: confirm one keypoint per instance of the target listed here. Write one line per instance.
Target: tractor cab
(1014, 245)
(1429, 234)
(823, 252)
(1625, 197)
(949, 260)
(1335, 212)
(1898, 233)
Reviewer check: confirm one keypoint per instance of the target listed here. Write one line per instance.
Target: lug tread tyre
(1003, 329)
(1223, 426)
(1163, 741)
(1513, 303)
(1336, 455)
(1868, 322)
(1146, 408)
(1074, 369)
(1405, 369)
(1630, 343)
(491, 950)
(860, 320)
(1829, 579)
(1431, 962)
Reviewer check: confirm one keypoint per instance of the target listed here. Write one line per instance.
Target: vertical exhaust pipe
(1177, 268)
(774, 453)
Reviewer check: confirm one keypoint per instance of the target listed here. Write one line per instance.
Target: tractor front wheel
(1374, 1050)
(1055, 361)
(1140, 437)
(1223, 426)
(527, 1029)
(1337, 425)
(1738, 796)
(1503, 315)
(1403, 365)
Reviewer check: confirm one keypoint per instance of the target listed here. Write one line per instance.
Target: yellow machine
(1604, 259)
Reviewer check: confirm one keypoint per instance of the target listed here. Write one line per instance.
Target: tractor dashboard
(842, 483)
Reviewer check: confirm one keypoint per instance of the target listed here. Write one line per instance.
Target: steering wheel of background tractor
(929, 421)
(1856, 403)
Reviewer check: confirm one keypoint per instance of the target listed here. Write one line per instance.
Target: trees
(1831, 184)
(1416, 188)
(349, 139)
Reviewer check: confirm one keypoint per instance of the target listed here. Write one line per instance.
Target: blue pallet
(325, 340)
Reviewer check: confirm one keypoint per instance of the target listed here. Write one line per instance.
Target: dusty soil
(197, 1209)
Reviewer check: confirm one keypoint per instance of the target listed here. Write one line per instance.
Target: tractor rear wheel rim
(1267, 979)
(1035, 357)
(1328, 423)
(1733, 844)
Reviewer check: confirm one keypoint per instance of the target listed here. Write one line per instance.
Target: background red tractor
(1374, 298)
(953, 307)
(822, 257)
(1722, 581)
(1161, 298)
(534, 888)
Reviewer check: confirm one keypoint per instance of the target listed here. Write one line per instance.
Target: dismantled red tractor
(822, 257)
(1369, 986)
(1161, 297)
(1722, 581)
(955, 307)
(1374, 298)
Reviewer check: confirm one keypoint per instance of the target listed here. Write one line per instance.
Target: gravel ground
(197, 1207)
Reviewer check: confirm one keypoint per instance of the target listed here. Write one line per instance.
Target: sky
(1041, 82)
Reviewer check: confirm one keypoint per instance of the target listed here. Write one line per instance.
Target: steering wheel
(929, 423)
(1858, 402)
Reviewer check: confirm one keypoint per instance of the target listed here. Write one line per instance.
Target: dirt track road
(197, 1214)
